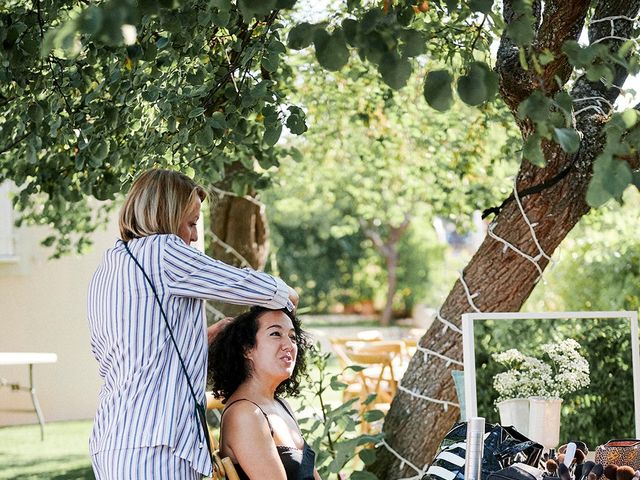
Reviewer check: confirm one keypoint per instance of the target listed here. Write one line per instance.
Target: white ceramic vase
(515, 412)
(544, 421)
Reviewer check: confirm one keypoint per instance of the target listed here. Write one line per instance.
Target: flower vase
(544, 421)
(515, 412)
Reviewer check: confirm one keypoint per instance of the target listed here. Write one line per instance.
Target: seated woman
(255, 359)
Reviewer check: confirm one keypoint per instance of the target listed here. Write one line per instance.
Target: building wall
(43, 309)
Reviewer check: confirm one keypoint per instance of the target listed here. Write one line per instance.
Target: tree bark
(240, 237)
(498, 278)
(392, 285)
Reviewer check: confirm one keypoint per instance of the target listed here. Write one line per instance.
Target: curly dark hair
(228, 366)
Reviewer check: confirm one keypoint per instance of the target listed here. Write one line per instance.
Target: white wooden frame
(468, 348)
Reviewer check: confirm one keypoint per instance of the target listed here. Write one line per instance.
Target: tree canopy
(93, 92)
(372, 167)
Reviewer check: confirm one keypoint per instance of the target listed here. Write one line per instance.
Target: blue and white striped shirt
(145, 400)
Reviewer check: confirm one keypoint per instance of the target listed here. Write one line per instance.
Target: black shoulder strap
(284, 405)
(250, 401)
(200, 409)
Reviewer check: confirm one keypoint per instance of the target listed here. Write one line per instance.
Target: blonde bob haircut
(156, 203)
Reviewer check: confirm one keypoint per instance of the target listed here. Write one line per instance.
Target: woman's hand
(294, 297)
(216, 328)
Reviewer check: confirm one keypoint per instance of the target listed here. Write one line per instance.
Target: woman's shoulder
(242, 407)
(243, 415)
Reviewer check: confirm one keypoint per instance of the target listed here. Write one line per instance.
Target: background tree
(576, 152)
(91, 94)
(596, 269)
(535, 65)
(371, 166)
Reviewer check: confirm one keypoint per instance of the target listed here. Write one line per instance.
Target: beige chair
(377, 377)
(391, 356)
(223, 468)
(214, 403)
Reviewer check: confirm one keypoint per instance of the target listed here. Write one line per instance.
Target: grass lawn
(64, 453)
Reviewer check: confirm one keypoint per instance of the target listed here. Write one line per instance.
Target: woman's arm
(191, 273)
(246, 438)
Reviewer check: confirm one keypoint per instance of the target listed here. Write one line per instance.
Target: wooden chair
(214, 403)
(382, 372)
(354, 387)
(223, 468)
(377, 377)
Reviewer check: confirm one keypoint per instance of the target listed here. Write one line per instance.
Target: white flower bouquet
(562, 371)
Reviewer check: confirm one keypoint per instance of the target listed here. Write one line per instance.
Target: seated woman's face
(276, 350)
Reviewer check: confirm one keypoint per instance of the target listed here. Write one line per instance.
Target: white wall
(43, 309)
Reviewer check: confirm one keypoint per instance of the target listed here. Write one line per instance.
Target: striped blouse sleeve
(191, 273)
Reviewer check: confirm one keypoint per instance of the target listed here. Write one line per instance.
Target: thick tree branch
(562, 20)
(515, 82)
(593, 101)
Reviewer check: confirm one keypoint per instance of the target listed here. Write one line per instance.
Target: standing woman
(148, 288)
(256, 359)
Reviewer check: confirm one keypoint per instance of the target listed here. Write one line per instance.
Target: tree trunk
(498, 279)
(392, 284)
(389, 251)
(240, 237)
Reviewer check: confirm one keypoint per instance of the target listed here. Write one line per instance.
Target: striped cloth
(145, 400)
(157, 463)
(449, 463)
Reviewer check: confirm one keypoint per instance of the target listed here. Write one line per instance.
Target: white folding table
(27, 358)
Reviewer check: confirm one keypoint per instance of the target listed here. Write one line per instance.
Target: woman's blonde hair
(157, 202)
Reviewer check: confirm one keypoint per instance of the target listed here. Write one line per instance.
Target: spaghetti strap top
(298, 463)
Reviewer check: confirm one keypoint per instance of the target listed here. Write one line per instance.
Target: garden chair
(340, 349)
(382, 383)
(223, 468)
(378, 376)
(388, 368)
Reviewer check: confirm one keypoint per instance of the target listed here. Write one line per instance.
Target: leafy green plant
(335, 432)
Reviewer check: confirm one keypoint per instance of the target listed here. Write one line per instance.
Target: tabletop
(26, 358)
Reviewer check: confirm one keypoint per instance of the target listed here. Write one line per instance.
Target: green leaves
(272, 134)
(167, 99)
(363, 476)
(335, 433)
(479, 85)
(196, 112)
(521, 27)
(395, 71)
(610, 179)
(296, 120)
(553, 120)
(437, 89)
(331, 49)
(255, 8)
(612, 175)
(532, 150)
(567, 138)
(482, 6)
(204, 137)
(301, 35)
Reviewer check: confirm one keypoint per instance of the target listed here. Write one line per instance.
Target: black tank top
(298, 464)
